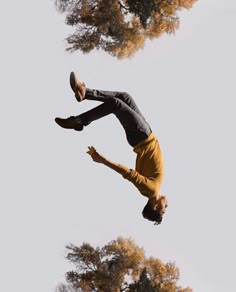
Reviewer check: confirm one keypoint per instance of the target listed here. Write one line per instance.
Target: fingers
(91, 150)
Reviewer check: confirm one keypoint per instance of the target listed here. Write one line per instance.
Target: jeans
(122, 105)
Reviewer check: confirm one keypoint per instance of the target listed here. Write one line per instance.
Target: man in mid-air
(148, 174)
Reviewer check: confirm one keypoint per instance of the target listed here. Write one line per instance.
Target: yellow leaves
(168, 8)
(187, 4)
(120, 27)
(161, 25)
(130, 47)
(108, 268)
(157, 269)
(133, 40)
(128, 248)
(132, 255)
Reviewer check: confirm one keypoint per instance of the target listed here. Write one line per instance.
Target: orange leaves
(119, 27)
(120, 263)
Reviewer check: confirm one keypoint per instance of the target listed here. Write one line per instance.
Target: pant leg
(136, 128)
(104, 95)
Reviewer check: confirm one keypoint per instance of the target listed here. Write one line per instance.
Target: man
(148, 173)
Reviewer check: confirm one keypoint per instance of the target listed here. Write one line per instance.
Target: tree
(118, 266)
(66, 288)
(119, 27)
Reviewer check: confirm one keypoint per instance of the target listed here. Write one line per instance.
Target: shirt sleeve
(142, 183)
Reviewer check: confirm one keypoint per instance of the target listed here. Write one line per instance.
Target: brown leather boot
(69, 123)
(78, 87)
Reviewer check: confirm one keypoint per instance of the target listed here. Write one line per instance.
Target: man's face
(161, 206)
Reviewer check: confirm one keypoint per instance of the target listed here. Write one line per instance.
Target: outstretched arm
(144, 185)
(102, 159)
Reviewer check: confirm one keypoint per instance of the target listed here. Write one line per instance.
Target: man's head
(155, 209)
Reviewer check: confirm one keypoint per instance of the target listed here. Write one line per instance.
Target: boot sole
(73, 83)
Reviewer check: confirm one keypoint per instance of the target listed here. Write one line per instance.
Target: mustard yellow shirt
(148, 173)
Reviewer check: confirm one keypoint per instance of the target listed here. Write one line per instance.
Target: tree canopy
(119, 27)
(118, 266)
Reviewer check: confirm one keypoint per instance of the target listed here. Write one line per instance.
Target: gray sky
(52, 193)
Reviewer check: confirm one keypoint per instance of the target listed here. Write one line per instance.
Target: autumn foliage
(118, 266)
(119, 27)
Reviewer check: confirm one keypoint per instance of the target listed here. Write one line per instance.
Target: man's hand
(95, 155)
(101, 159)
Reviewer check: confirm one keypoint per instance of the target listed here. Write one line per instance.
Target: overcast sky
(53, 194)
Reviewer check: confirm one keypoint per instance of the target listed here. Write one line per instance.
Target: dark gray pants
(122, 105)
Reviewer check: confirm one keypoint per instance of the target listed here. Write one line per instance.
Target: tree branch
(124, 288)
(121, 5)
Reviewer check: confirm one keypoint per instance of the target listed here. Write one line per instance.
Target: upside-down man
(148, 173)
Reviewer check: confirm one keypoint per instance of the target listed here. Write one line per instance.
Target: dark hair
(150, 214)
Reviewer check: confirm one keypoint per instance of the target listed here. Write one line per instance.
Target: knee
(124, 95)
(115, 102)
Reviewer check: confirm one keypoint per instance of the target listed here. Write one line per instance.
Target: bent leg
(136, 128)
(104, 95)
